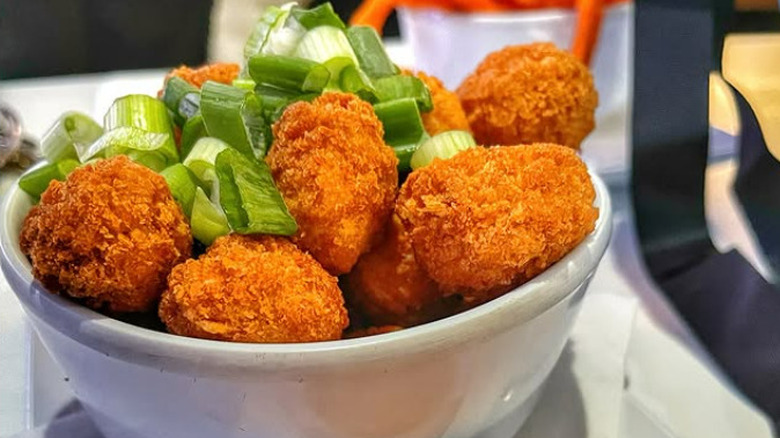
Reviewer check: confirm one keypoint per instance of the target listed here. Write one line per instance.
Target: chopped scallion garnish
(324, 43)
(322, 15)
(182, 183)
(249, 197)
(193, 130)
(444, 145)
(400, 86)
(370, 52)
(71, 133)
(289, 73)
(152, 149)
(175, 90)
(234, 116)
(201, 161)
(354, 81)
(401, 120)
(207, 221)
(36, 181)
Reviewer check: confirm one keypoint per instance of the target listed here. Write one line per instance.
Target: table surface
(659, 350)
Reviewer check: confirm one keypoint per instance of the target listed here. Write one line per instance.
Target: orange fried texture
(527, 94)
(447, 114)
(109, 234)
(337, 176)
(388, 286)
(219, 72)
(491, 218)
(254, 289)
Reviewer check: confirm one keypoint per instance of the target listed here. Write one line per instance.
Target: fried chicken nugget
(337, 176)
(388, 286)
(109, 234)
(254, 289)
(219, 72)
(447, 113)
(490, 218)
(530, 93)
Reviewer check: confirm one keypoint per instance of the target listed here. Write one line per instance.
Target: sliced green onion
(322, 15)
(284, 35)
(201, 161)
(174, 92)
(324, 43)
(336, 67)
(207, 221)
(354, 81)
(288, 72)
(234, 116)
(244, 83)
(182, 183)
(370, 52)
(36, 181)
(189, 105)
(274, 98)
(260, 32)
(71, 133)
(444, 145)
(401, 120)
(138, 111)
(145, 133)
(404, 154)
(249, 197)
(152, 149)
(193, 130)
(400, 86)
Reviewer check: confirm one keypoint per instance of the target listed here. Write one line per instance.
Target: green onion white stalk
(443, 146)
(201, 161)
(207, 221)
(182, 183)
(71, 133)
(152, 149)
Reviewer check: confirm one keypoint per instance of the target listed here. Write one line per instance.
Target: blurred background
(48, 37)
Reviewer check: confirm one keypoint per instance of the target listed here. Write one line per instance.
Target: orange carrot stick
(589, 14)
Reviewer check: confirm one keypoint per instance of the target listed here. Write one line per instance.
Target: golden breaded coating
(489, 218)
(254, 289)
(110, 234)
(447, 114)
(527, 94)
(219, 72)
(337, 176)
(388, 286)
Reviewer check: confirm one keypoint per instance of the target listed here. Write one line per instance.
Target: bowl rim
(147, 347)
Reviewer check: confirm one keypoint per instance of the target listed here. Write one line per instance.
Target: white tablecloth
(631, 369)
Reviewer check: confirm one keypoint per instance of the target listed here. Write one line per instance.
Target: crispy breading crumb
(109, 234)
(527, 94)
(254, 289)
(489, 218)
(388, 286)
(337, 176)
(219, 72)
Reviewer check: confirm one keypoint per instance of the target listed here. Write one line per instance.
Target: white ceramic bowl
(477, 373)
(451, 45)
